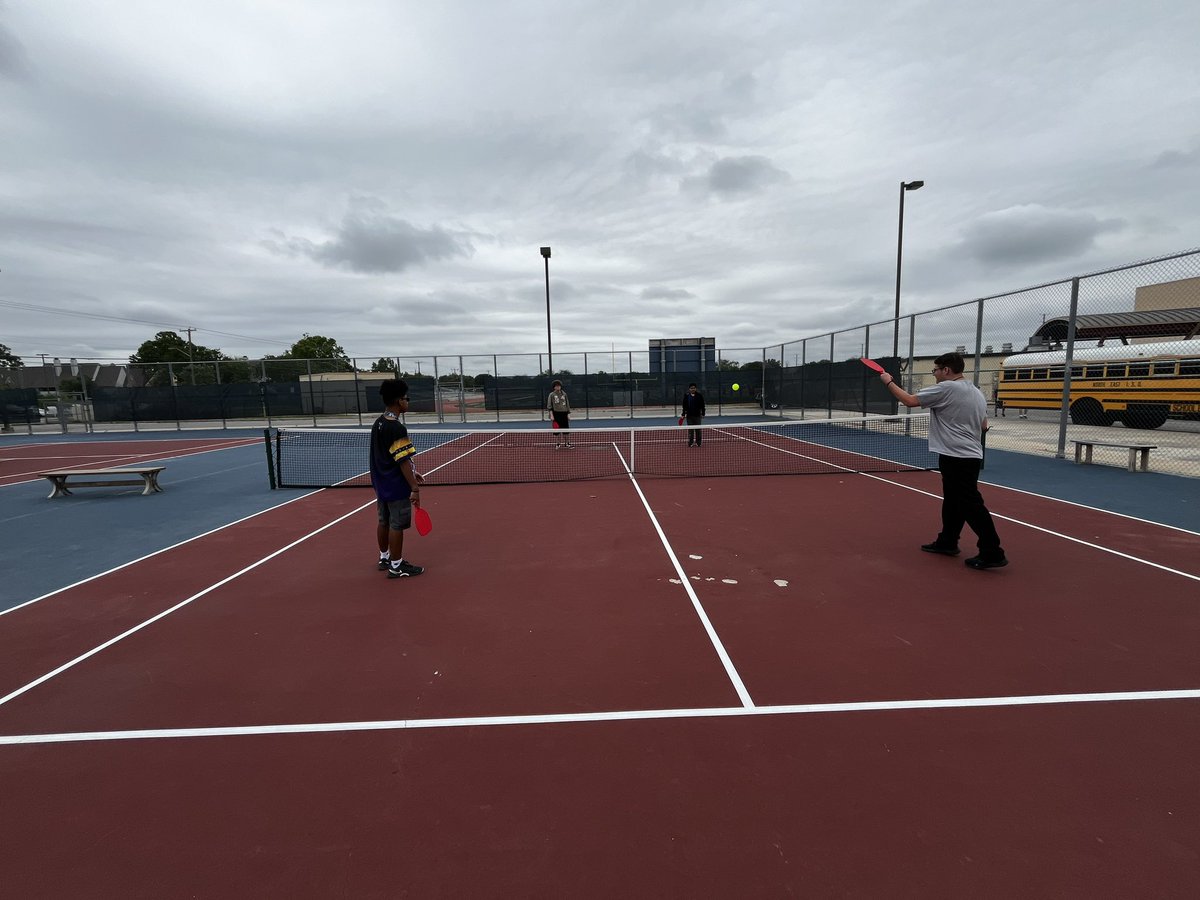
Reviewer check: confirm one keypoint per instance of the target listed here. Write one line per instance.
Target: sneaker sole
(941, 552)
(980, 566)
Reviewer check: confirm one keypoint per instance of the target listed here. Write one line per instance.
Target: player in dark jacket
(692, 408)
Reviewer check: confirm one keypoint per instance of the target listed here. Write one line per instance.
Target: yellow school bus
(1141, 385)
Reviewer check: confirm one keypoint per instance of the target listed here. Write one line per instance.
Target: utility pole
(191, 365)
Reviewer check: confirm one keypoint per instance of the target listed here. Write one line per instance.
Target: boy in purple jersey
(397, 484)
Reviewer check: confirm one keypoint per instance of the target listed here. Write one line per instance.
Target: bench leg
(1133, 459)
(151, 479)
(1145, 459)
(1078, 452)
(60, 488)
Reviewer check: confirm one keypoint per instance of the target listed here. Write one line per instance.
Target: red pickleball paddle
(424, 523)
(871, 364)
(554, 423)
(681, 420)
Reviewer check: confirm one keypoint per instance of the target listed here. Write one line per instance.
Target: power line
(15, 304)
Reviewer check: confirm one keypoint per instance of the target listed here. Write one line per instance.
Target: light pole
(904, 186)
(549, 345)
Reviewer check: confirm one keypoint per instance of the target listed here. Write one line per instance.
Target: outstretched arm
(898, 392)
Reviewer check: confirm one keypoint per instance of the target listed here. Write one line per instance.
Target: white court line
(613, 716)
(1099, 509)
(161, 456)
(730, 670)
(134, 562)
(180, 605)
(1057, 534)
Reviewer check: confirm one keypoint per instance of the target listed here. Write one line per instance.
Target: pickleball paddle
(681, 420)
(554, 423)
(871, 364)
(424, 523)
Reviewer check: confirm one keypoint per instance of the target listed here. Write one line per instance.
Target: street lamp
(904, 186)
(549, 345)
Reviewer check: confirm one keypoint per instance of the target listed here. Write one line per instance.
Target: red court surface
(741, 687)
(21, 462)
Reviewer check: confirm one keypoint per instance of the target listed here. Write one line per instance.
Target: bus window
(1039, 374)
(1076, 371)
(1139, 369)
(1189, 367)
(1024, 374)
(1095, 371)
(1056, 374)
(1163, 368)
(1117, 371)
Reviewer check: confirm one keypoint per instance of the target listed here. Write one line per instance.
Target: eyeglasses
(938, 368)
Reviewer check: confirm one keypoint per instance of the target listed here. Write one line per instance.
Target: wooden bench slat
(1083, 452)
(63, 479)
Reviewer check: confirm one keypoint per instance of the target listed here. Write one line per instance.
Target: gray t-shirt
(957, 410)
(558, 401)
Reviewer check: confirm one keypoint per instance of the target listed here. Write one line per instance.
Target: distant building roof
(1182, 323)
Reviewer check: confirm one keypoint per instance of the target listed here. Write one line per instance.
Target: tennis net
(333, 457)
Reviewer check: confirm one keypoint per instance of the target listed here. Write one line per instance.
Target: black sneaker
(935, 547)
(984, 562)
(404, 570)
(384, 562)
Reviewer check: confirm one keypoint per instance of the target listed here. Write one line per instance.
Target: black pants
(694, 433)
(963, 504)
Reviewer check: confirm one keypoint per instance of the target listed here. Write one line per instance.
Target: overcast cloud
(384, 173)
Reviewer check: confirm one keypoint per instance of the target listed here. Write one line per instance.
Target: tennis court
(626, 671)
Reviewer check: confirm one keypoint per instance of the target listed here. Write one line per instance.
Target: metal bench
(147, 476)
(1084, 449)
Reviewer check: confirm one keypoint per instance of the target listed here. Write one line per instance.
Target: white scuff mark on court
(781, 582)
(710, 579)
(729, 581)
(694, 556)
(897, 637)
(674, 581)
(695, 578)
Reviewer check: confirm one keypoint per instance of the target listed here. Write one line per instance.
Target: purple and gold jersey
(390, 446)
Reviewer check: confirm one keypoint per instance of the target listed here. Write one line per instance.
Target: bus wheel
(1145, 415)
(1088, 412)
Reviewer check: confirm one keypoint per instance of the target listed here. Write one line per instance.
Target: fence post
(1064, 411)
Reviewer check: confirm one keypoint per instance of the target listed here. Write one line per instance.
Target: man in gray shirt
(957, 421)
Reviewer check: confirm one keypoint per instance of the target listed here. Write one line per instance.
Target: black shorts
(395, 514)
(562, 419)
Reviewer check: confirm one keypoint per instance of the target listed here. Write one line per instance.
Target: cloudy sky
(383, 172)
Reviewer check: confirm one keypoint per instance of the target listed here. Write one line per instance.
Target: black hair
(952, 361)
(393, 390)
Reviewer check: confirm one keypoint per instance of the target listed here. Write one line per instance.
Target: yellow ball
(735, 387)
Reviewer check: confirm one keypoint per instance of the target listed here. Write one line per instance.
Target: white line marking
(730, 670)
(166, 612)
(115, 458)
(1057, 534)
(1099, 509)
(612, 716)
(134, 562)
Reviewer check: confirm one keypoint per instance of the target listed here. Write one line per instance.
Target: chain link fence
(1111, 357)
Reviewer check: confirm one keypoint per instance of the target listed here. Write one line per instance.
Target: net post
(270, 458)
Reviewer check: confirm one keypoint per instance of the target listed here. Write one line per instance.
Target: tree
(9, 363)
(326, 354)
(728, 365)
(384, 365)
(168, 347)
